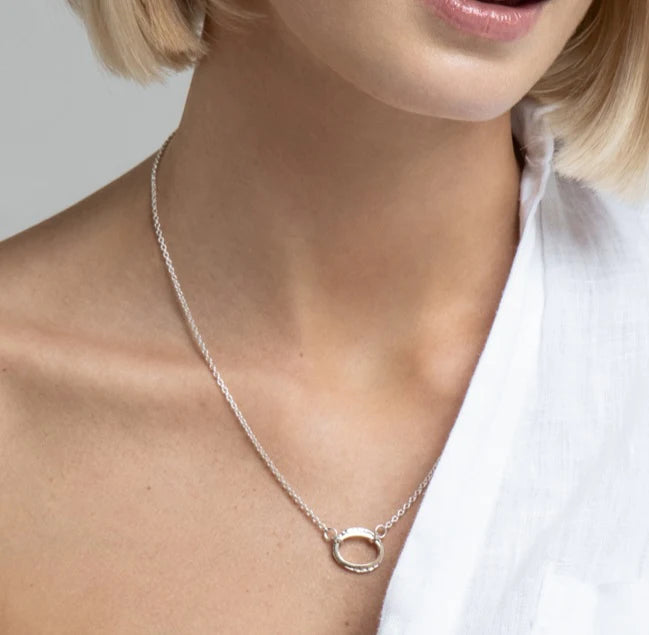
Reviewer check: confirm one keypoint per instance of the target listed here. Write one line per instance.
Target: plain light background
(67, 126)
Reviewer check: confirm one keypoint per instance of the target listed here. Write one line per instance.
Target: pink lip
(492, 21)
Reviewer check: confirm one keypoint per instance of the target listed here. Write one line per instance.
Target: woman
(401, 228)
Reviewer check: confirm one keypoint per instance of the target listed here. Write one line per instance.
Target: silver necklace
(330, 534)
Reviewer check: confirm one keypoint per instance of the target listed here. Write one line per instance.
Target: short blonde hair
(597, 89)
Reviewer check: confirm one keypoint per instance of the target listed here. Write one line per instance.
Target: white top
(537, 517)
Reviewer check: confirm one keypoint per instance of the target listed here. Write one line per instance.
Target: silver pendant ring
(358, 532)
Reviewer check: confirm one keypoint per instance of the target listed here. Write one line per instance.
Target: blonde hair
(596, 91)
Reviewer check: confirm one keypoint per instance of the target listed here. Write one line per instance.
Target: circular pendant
(358, 532)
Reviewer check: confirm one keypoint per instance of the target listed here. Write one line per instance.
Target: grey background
(67, 127)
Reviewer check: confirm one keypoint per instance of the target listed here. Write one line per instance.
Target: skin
(341, 204)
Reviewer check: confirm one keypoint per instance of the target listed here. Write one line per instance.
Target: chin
(449, 102)
(477, 93)
(427, 79)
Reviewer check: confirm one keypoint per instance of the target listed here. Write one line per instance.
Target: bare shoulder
(38, 264)
(88, 367)
(63, 287)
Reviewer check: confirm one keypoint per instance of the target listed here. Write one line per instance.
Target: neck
(287, 188)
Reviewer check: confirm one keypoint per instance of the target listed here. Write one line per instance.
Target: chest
(163, 519)
(172, 566)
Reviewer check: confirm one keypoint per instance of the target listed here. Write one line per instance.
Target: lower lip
(491, 21)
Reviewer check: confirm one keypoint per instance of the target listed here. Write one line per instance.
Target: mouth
(512, 3)
(504, 20)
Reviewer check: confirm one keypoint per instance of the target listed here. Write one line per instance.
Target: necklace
(330, 534)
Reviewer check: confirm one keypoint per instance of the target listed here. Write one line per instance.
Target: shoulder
(62, 289)
(38, 265)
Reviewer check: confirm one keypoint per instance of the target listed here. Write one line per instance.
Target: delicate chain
(329, 533)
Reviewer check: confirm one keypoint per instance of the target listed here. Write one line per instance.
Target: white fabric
(537, 517)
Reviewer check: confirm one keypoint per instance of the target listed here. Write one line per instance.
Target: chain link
(328, 532)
